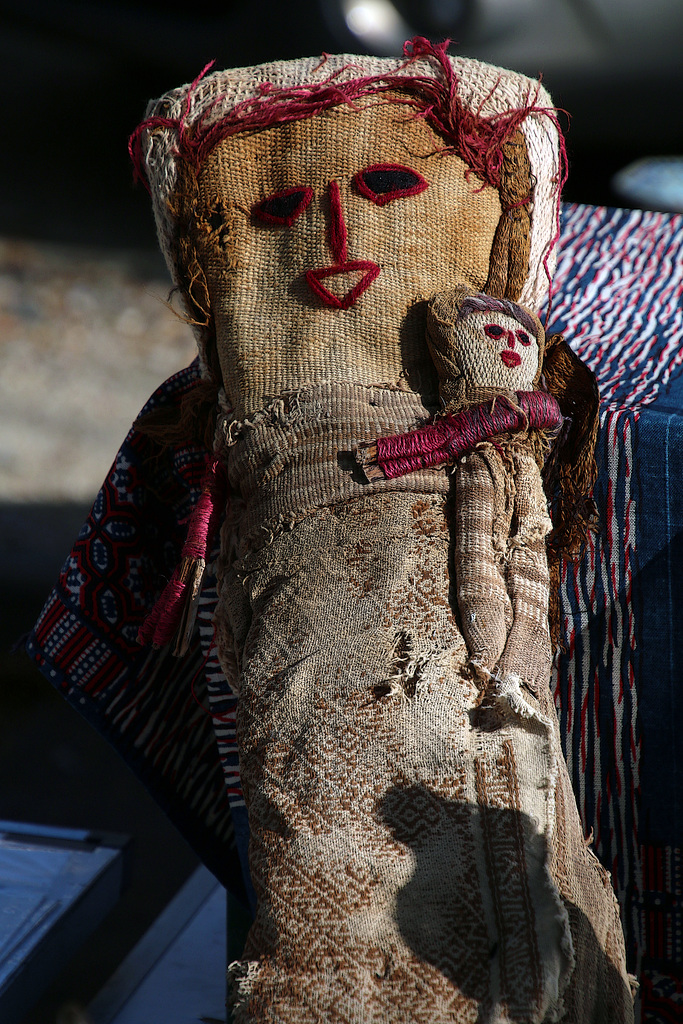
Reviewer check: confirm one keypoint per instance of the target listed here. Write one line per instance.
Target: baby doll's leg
(482, 596)
(527, 651)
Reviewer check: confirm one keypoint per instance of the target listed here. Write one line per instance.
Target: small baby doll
(496, 428)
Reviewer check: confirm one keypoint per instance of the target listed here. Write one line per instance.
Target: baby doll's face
(496, 350)
(324, 238)
(483, 349)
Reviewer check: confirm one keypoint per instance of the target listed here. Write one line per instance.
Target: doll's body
(488, 354)
(409, 863)
(484, 346)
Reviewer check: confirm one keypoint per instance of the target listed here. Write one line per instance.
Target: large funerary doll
(415, 847)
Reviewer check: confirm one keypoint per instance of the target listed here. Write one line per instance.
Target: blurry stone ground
(85, 337)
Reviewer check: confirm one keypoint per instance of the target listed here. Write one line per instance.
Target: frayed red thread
(477, 139)
(517, 206)
(163, 621)
(149, 124)
(324, 57)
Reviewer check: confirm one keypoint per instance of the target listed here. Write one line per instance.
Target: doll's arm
(482, 597)
(527, 651)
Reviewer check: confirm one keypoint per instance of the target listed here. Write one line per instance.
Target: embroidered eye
(494, 331)
(523, 337)
(382, 183)
(283, 207)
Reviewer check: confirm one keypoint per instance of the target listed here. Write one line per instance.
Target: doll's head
(309, 209)
(479, 342)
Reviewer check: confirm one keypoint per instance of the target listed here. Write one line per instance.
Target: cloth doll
(411, 861)
(496, 429)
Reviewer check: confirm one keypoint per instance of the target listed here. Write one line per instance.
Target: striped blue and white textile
(619, 680)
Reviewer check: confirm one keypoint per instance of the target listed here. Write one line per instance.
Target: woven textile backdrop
(620, 281)
(618, 299)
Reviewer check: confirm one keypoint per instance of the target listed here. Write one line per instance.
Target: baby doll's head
(480, 342)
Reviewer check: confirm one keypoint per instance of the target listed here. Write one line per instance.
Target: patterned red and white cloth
(617, 298)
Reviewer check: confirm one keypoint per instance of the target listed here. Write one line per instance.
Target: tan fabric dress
(416, 857)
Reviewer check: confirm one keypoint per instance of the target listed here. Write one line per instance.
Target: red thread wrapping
(382, 198)
(160, 625)
(162, 622)
(448, 437)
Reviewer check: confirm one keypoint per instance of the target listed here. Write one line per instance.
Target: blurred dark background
(76, 77)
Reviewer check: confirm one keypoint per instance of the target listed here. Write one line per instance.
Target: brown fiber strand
(509, 265)
(193, 286)
(571, 471)
(192, 421)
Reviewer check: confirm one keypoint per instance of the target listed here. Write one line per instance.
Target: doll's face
(497, 351)
(483, 349)
(321, 241)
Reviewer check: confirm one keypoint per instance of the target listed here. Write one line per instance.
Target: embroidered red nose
(347, 279)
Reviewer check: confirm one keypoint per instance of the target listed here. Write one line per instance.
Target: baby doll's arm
(482, 596)
(527, 651)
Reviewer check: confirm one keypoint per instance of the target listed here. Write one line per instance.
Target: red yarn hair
(475, 138)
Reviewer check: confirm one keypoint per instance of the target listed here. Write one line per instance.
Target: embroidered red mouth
(510, 358)
(350, 269)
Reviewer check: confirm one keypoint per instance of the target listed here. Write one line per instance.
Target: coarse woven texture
(501, 569)
(482, 88)
(477, 341)
(332, 295)
(411, 861)
(620, 286)
(297, 454)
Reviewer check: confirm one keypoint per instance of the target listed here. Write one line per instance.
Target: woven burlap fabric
(413, 851)
(501, 569)
(469, 364)
(415, 857)
(296, 454)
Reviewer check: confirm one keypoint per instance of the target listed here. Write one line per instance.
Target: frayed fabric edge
(506, 692)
